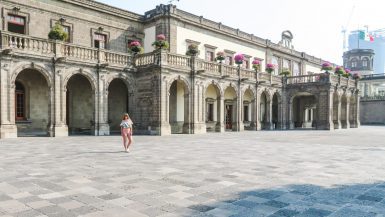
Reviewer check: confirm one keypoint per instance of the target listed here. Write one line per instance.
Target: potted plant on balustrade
(270, 68)
(220, 56)
(285, 72)
(192, 50)
(339, 70)
(356, 76)
(326, 66)
(347, 73)
(256, 65)
(239, 58)
(57, 33)
(135, 47)
(160, 43)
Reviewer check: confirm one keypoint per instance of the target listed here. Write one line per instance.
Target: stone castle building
(83, 85)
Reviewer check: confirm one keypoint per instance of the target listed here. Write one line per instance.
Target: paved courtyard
(285, 173)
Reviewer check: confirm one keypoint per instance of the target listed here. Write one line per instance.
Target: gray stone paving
(276, 174)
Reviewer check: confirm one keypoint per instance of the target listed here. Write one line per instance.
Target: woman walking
(126, 130)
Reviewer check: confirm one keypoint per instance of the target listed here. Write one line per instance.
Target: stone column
(165, 128)
(253, 114)
(199, 126)
(347, 124)
(257, 111)
(220, 126)
(290, 121)
(60, 127)
(103, 128)
(187, 126)
(8, 127)
(357, 110)
(325, 110)
(338, 125)
(269, 121)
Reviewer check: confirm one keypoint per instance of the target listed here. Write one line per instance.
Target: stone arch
(47, 75)
(87, 74)
(213, 107)
(249, 108)
(80, 88)
(118, 94)
(303, 110)
(230, 107)
(215, 83)
(181, 79)
(179, 105)
(35, 102)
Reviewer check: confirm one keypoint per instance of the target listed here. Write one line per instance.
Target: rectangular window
(229, 60)
(210, 112)
(100, 41)
(245, 113)
(246, 64)
(16, 24)
(67, 29)
(209, 55)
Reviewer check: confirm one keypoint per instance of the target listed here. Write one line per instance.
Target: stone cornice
(94, 5)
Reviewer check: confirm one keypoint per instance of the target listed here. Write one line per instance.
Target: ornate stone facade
(84, 85)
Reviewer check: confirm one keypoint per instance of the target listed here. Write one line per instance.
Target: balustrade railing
(262, 76)
(26, 44)
(145, 59)
(209, 67)
(276, 79)
(247, 73)
(230, 71)
(79, 52)
(117, 58)
(178, 60)
(301, 79)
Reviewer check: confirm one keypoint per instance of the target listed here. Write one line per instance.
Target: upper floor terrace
(26, 46)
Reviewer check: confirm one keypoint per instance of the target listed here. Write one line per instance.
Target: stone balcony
(12, 43)
(28, 46)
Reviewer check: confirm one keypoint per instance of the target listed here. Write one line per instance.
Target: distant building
(378, 46)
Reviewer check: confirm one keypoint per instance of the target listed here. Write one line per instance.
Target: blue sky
(316, 25)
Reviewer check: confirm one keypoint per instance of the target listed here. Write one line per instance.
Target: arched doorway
(117, 104)
(80, 102)
(212, 108)
(263, 111)
(32, 104)
(230, 97)
(248, 114)
(304, 107)
(179, 108)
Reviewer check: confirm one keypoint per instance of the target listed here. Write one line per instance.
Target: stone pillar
(8, 127)
(165, 128)
(325, 110)
(269, 121)
(220, 126)
(257, 111)
(199, 126)
(290, 121)
(187, 125)
(357, 110)
(347, 123)
(253, 114)
(60, 127)
(103, 128)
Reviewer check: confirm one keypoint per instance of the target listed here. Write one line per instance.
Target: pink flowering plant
(256, 65)
(339, 70)
(160, 42)
(220, 56)
(347, 73)
(356, 76)
(239, 58)
(135, 47)
(326, 66)
(270, 67)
